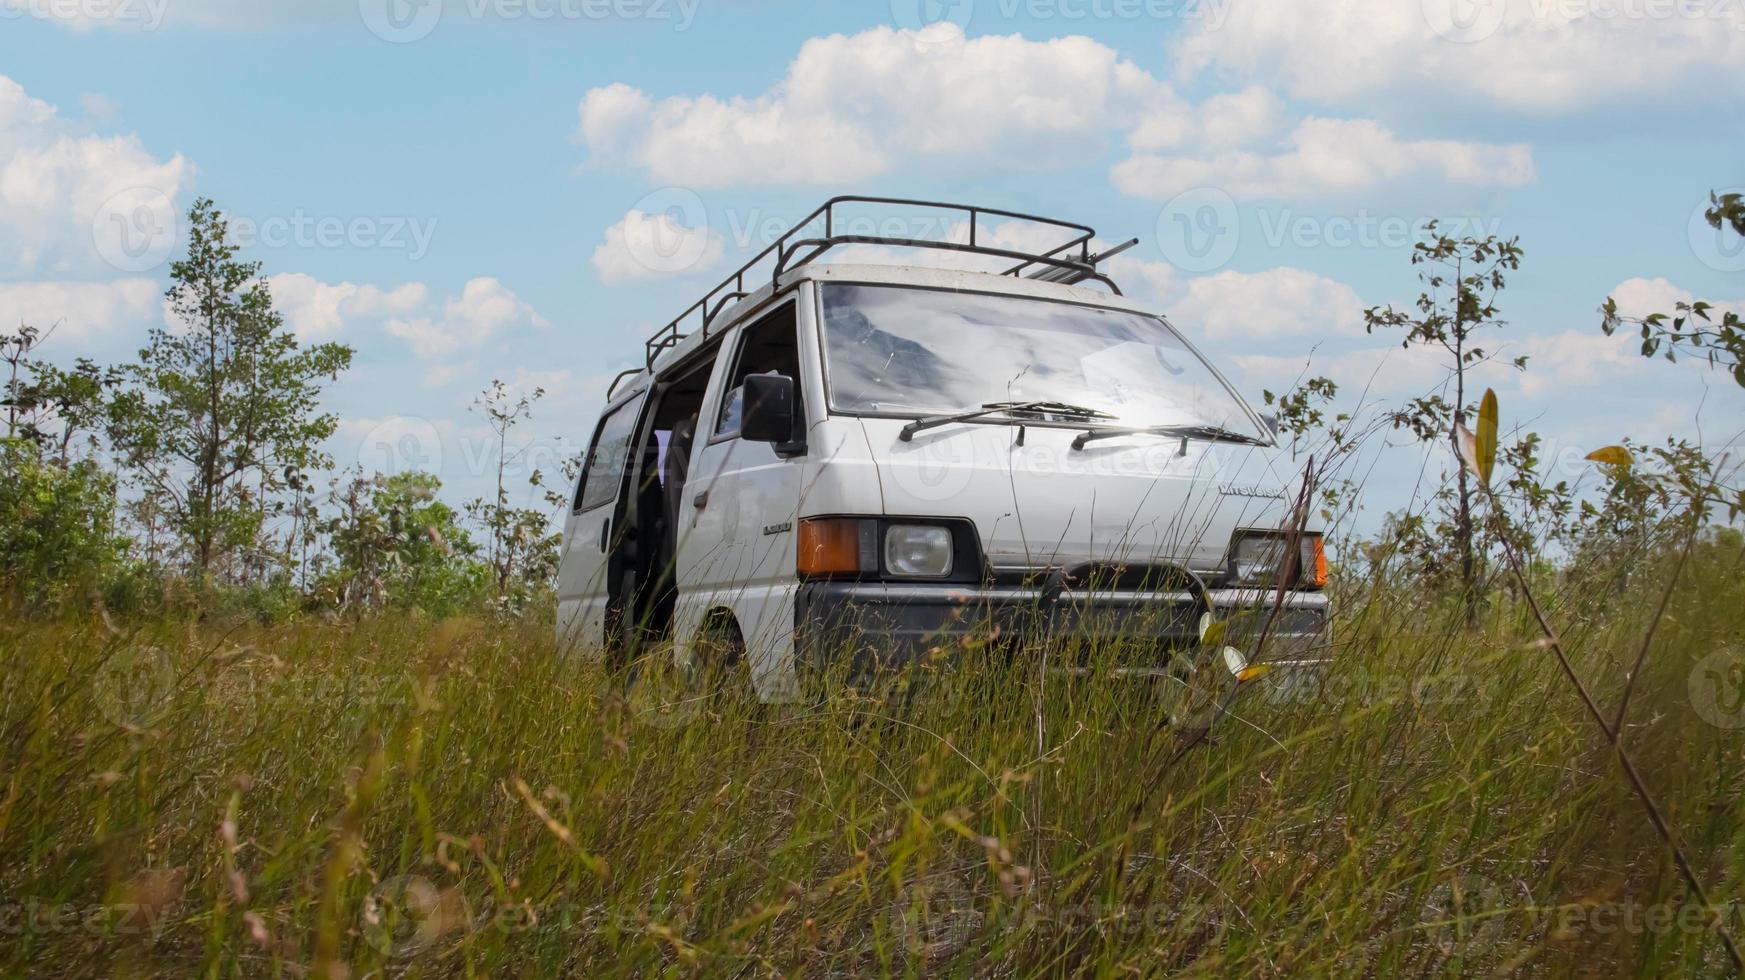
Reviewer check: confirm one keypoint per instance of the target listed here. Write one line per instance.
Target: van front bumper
(878, 626)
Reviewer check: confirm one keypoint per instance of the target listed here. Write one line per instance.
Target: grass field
(399, 797)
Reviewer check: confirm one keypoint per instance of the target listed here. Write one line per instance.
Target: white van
(872, 462)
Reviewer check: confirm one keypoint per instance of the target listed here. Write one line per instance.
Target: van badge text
(778, 528)
(1237, 490)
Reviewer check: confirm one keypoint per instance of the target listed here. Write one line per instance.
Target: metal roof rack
(1069, 262)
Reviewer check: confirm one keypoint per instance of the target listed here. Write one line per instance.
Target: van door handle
(605, 533)
(701, 500)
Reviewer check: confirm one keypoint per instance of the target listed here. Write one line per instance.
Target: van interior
(645, 552)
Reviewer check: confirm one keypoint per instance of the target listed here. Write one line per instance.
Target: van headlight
(1256, 558)
(918, 550)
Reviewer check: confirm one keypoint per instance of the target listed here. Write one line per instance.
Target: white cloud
(654, 246)
(457, 328)
(316, 311)
(1641, 297)
(81, 312)
(1328, 158)
(72, 203)
(847, 110)
(1278, 304)
(1228, 120)
(1391, 372)
(484, 309)
(1528, 55)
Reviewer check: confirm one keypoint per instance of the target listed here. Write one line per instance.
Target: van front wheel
(720, 669)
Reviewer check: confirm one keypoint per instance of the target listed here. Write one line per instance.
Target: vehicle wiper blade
(991, 408)
(1215, 433)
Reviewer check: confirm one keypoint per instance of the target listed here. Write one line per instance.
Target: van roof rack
(1068, 263)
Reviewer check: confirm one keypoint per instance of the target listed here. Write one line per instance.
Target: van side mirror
(767, 408)
(1272, 423)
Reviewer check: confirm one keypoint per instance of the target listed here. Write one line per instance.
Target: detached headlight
(1257, 558)
(918, 550)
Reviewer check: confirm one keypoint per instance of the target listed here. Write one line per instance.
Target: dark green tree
(222, 406)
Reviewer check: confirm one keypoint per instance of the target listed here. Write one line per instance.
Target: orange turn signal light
(836, 546)
(1317, 570)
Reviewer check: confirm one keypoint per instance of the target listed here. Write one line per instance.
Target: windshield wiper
(1215, 433)
(990, 408)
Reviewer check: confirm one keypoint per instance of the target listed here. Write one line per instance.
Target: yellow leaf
(1611, 455)
(1486, 437)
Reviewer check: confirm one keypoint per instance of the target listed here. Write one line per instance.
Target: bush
(57, 533)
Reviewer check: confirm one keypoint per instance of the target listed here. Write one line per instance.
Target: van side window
(606, 460)
(771, 345)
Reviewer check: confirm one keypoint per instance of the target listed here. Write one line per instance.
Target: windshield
(898, 350)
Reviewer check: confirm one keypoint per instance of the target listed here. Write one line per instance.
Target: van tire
(720, 661)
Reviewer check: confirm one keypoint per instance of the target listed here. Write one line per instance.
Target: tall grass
(398, 797)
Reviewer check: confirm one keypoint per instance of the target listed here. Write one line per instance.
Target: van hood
(1037, 502)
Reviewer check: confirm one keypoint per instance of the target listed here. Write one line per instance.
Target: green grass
(397, 797)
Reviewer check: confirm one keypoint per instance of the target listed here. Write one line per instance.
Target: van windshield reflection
(906, 351)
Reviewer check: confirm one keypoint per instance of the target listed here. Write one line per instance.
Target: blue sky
(469, 189)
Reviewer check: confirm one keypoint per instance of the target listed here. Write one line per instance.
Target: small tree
(1461, 279)
(523, 551)
(220, 406)
(1692, 327)
(397, 544)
